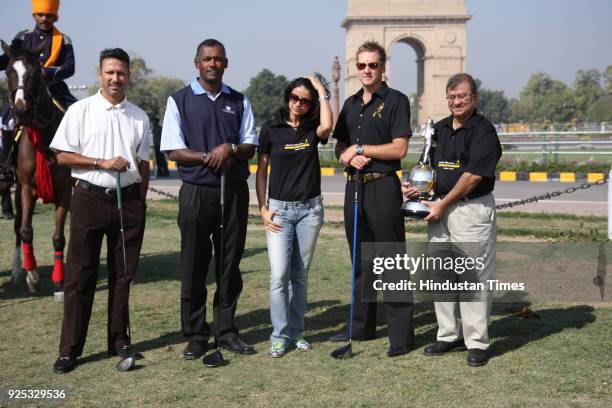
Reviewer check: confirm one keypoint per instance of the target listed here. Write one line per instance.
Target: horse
(37, 116)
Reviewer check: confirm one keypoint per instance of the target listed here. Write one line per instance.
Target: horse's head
(24, 78)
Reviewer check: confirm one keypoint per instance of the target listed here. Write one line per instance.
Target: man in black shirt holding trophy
(466, 150)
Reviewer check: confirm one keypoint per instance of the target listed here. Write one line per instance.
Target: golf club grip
(118, 187)
(222, 189)
(355, 199)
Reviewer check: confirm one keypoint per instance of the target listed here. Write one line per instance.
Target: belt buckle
(108, 191)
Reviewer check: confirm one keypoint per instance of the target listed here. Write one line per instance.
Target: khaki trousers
(470, 221)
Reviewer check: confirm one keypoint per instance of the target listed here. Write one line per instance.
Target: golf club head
(343, 352)
(214, 359)
(127, 364)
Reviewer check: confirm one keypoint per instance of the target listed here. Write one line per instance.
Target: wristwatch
(359, 150)
(234, 148)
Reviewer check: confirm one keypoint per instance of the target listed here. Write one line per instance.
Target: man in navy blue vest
(209, 128)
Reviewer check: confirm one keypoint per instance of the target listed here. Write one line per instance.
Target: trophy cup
(422, 177)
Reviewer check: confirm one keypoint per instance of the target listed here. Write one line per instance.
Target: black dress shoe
(477, 357)
(195, 349)
(397, 351)
(237, 346)
(126, 351)
(64, 365)
(340, 337)
(442, 347)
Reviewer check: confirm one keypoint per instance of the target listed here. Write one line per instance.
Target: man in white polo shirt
(101, 136)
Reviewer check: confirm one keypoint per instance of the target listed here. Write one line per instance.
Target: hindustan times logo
(413, 264)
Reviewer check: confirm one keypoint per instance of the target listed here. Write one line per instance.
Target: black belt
(367, 177)
(464, 198)
(99, 189)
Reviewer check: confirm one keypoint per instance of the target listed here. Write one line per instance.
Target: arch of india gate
(435, 29)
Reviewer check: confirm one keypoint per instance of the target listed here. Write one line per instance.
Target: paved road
(590, 201)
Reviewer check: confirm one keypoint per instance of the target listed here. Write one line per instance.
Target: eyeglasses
(303, 101)
(460, 97)
(372, 65)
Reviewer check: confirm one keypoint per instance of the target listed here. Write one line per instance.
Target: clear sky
(507, 39)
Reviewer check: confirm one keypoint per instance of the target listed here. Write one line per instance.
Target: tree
(266, 94)
(587, 90)
(492, 104)
(546, 100)
(601, 110)
(607, 79)
(4, 93)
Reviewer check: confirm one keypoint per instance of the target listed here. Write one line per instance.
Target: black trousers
(7, 203)
(379, 220)
(92, 216)
(199, 220)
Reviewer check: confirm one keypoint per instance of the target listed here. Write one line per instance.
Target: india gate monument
(435, 29)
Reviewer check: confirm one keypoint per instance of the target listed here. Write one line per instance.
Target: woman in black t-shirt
(293, 215)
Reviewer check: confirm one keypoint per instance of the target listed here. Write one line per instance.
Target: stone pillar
(335, 94)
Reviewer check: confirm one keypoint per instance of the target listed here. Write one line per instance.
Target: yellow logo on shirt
(378, 111)
(445, 165)
(298, 146)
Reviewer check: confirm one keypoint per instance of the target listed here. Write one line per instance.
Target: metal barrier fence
(543, 146)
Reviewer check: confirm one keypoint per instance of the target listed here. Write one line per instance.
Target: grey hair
(459, 78)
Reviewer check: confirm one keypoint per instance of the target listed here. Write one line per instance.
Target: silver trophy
(422, 177)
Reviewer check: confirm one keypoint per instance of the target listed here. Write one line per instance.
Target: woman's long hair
(311, 118)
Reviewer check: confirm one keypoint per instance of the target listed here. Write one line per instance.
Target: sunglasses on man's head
(303, 101)
(372, 65)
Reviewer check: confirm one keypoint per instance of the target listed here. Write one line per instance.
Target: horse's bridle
(36, 102)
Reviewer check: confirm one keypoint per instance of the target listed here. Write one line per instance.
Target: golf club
(127, 363)
(215, 359)
(347, 350)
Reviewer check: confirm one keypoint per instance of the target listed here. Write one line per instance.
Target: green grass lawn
(562, 359)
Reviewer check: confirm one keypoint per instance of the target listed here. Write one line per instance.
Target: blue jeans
(290, 251)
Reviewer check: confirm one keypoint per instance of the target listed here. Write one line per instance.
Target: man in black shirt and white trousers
(466, 153)
(372, 132)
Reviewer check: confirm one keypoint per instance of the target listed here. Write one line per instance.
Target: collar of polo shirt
(199, 90)
(108, 106)
(470, 123)
(382, 91)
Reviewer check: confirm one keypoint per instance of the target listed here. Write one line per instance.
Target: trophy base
(415, 210)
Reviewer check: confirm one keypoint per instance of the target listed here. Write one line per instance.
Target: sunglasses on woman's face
(303, 101)
(372, 65)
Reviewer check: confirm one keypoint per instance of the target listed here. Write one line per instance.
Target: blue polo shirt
(200, 121)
